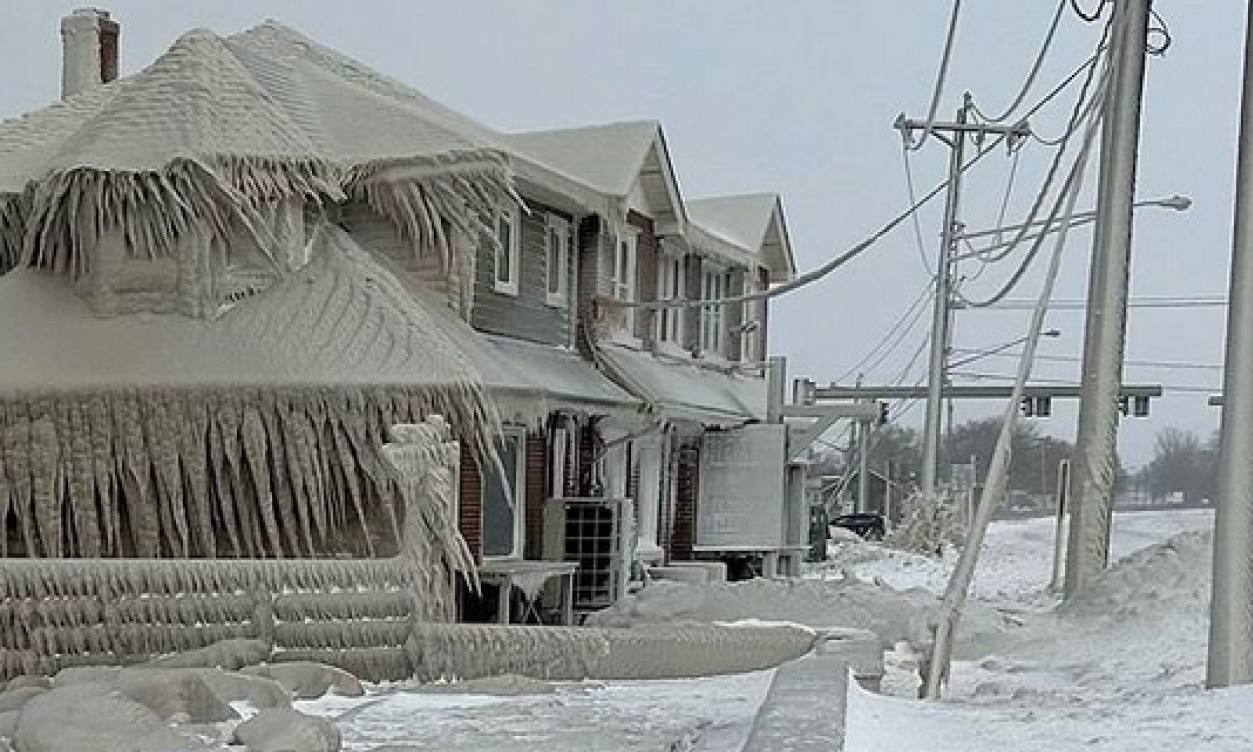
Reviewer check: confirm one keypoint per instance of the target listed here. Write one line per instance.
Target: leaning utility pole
(1231, 605)
(954, 134)
(1096, 462)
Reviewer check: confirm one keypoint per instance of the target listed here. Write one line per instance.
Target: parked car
(868, 525)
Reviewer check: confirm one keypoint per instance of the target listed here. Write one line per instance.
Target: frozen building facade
(227, 275)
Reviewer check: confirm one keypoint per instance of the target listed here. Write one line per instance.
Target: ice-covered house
(698, 370)
(221, 279)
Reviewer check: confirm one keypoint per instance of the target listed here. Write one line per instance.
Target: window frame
(713, 286)
(561, 227)
(625, 249)
(517, 550)
(511, 217)
(671, 285)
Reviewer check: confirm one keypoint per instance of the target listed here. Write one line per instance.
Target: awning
(687, 391)
(559, 378)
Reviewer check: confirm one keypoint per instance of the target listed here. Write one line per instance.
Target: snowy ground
(1122, 671)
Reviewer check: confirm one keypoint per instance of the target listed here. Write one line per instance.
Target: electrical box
(597, 534)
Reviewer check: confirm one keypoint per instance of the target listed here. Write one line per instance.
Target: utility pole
(953, 134)
(1231, 620)
(1095, 463)
(863, 467)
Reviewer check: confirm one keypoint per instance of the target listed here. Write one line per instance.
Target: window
(558, 246)
(751, 338)
(670, 286)
(508, 243)
(503, 519)
(714, 286)
(622, 277)
(559, 454)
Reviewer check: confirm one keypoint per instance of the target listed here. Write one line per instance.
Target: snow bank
(1174, 575)
(891, 614)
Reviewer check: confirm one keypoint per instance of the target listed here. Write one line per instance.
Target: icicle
(225, 495)
(282, 481)
(191, 421)
(134, 466)
(44, 457)
(100, 424)
(252, 431)
(229, 418)
(161, 433)
(81, 478)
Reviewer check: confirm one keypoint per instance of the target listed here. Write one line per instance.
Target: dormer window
(507, 251)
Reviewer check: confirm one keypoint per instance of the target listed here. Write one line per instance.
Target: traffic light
(883, 413)
(1028, 407)
(1140, 407)
(1043, 406)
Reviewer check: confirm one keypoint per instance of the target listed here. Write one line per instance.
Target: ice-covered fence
(471, 651)
(63, 612)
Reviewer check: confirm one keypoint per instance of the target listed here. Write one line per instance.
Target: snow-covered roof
(341, 320)
(216, 125)
(687, 391)
(754, 222)
(561, 375)
(611, 158)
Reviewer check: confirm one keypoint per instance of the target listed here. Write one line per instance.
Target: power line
(915, 311)
(1167, 301)
(1034, 72)
(1157, 364)
(940, 76)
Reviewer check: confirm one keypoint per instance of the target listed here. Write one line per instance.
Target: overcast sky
(799, 98)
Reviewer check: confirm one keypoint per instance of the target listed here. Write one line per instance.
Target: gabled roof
(754, 222)
(611, 158)
(216, 125)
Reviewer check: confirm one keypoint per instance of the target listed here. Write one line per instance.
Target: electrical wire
(1162, 29)
(1167, 365)
(915, 311)
(1084, 112)
(811, 276)
(1092, 17)
(940, 77)
(913, 199)
(1034, 71)
(1214, 301)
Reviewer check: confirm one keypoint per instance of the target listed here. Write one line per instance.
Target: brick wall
(537, 491)
(470, 512)
(687, 486)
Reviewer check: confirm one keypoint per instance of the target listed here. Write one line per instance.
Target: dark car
(867, 525)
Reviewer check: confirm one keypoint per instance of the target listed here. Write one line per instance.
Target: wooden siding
(682, 536)
(526, 315)
(692, 290)
(593, 279)
(377, 235)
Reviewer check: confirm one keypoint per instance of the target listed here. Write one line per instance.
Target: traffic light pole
(954, 134)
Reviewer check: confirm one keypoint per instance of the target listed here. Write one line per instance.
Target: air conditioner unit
(598, 534)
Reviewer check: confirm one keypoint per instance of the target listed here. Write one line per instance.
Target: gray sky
(799, 98)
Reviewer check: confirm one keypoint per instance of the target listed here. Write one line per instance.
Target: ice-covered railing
(353, 613)
(58, 613)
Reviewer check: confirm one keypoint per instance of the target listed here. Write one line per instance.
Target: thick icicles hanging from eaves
(282, 472)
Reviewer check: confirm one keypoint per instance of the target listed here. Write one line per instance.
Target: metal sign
(741, 500)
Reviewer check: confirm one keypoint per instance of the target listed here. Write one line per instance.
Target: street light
(1174, 203)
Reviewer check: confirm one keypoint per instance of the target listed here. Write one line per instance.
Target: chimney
(89, 43)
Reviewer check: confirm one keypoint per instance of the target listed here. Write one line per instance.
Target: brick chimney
(89, 43)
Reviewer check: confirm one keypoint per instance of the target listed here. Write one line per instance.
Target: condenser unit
(598, 534)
